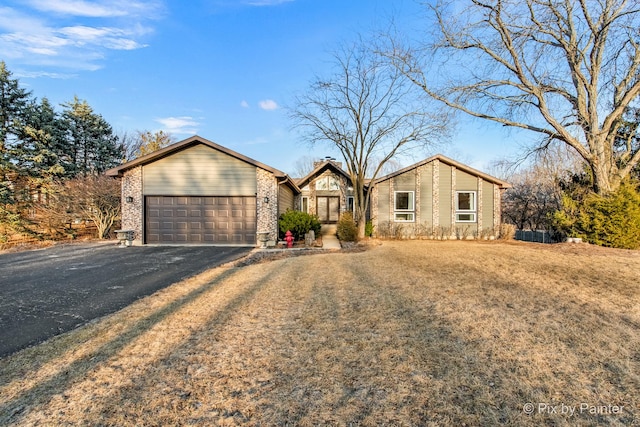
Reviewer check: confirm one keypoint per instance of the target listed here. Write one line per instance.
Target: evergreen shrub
(612, 220)
(347, 231)
(299, 223)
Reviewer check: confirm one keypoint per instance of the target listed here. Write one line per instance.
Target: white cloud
(98, 9)
(268, 104)
(36, 74)
(35, 39)
(244, 104)
(179, 125)
(107, 37)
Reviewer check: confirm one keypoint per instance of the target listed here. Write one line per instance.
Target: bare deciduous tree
(368, 111)
(536, 192)
(565, 69)
(94, 197)
(144, 142)
(304, 165)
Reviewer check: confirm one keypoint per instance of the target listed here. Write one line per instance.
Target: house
(196, 191)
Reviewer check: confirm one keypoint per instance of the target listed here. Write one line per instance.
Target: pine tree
(92, 145)
(13, 102)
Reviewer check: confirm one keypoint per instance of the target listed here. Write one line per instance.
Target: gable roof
(190, 142)
(326, 164)
(502, 184)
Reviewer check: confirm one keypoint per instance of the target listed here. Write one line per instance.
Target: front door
(328, 208)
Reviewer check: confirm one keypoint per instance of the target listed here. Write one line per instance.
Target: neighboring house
(196, 191)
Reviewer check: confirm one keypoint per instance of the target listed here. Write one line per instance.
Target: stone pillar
(267, 215)
(392, 201)
(453, 201)
(479, 210)
(497, 209)
(373, 206)
(132, 212)
(417, 198)
(436, 193)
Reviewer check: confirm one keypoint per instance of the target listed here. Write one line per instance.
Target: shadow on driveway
(46, 292)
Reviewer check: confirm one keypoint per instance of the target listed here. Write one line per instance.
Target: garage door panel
(194, 219)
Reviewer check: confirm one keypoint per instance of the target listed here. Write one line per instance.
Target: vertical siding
(405, 182)
(383, 202)
(465, 181)
(285, 199)
(199, 171)
(445, 195)
(487, 205)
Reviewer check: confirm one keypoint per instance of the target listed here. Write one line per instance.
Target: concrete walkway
(329, 239)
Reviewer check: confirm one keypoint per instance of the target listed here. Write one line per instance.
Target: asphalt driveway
(47, 292)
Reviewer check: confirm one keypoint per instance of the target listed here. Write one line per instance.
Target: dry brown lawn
(406, 333)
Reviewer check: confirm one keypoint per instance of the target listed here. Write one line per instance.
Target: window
(327, 183)
(304, 204)
(404, 206)
(350, 204)
(465, 206)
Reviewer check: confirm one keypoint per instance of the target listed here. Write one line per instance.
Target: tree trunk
(605, 179)
(361, 228)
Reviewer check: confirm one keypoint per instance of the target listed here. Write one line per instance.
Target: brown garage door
(189, 219)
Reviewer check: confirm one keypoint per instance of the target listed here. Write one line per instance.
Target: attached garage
(198, 192)
(190, 219)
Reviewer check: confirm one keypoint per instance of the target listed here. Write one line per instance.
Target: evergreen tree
(41, 151)
(92, 145)
(13, 102)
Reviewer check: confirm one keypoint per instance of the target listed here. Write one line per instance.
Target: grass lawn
(406, 333)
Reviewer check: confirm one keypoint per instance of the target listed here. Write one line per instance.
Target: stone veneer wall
(418, 200)
(497, 213)
(479, 207)
(373, 207)
(132, 213)
(267, 219)
(453, 201)
(436, 193)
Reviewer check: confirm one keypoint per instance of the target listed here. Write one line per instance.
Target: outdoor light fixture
(266, 200)
(129, 199)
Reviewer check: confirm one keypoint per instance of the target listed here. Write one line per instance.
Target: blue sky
(222, 69)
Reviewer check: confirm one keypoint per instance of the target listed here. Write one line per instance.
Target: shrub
(506, 231)
(368, 229)
(299, 223)
(612, 220)
(347, 230)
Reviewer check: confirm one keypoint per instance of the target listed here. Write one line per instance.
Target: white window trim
(472, 211)
(410, 211)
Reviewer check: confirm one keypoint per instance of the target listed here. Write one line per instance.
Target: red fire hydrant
(288, 237)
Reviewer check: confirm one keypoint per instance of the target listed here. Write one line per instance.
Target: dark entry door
(328, 208)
